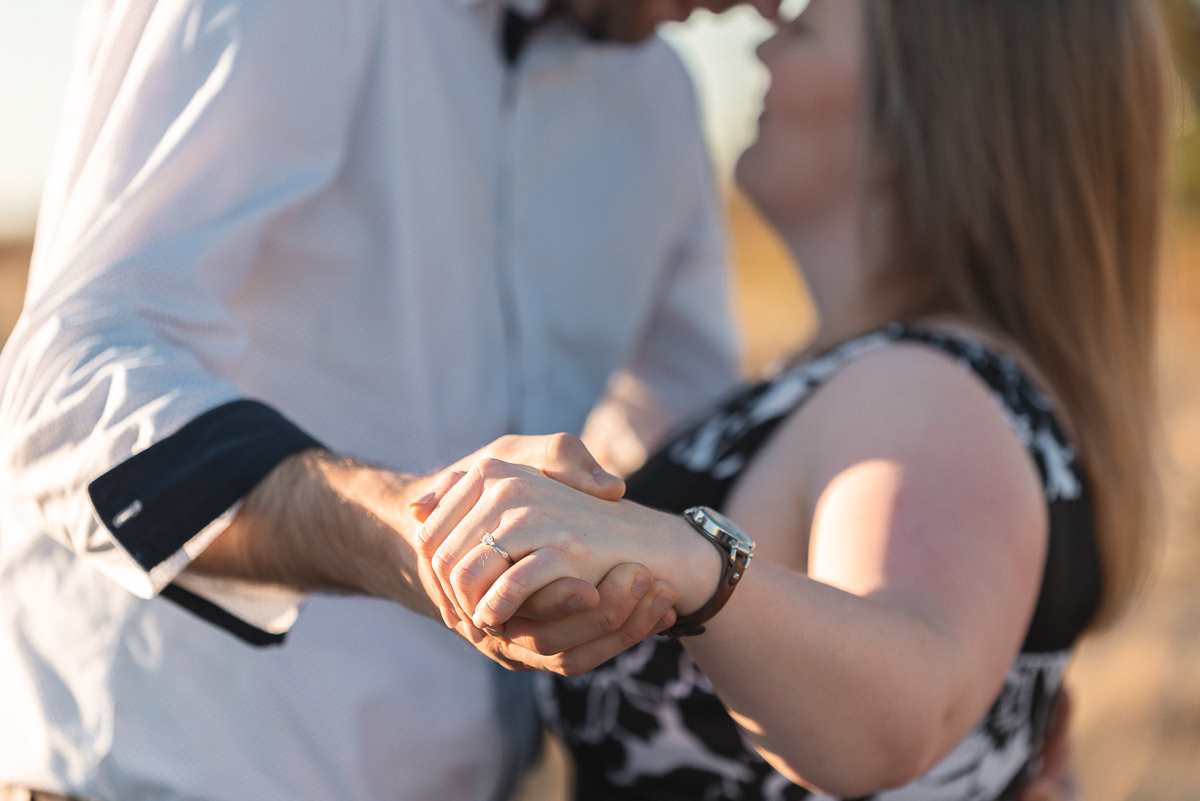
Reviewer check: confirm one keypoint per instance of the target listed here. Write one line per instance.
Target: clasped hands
(561, 607)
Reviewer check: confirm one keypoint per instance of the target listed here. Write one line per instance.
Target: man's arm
(320, 522)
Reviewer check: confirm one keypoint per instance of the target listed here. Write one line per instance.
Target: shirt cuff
(165, 504)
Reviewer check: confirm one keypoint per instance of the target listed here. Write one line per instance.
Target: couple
(246, 207)
(884, 554)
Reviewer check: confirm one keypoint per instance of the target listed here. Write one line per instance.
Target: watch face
(725, 524)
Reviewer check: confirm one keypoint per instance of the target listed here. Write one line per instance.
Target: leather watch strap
(733, 567)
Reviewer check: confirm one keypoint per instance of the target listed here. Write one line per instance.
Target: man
(292, 255)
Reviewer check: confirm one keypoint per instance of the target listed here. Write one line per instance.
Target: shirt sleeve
(189, 128)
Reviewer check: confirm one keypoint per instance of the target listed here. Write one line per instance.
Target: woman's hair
(1024, 145)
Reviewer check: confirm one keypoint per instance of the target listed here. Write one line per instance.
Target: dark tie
(515, 33)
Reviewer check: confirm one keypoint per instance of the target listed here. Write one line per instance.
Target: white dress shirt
(359, 215)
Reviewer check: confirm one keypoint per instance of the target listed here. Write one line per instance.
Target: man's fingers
(560, 599)
(620, 590)
(511, 656)
(618, 597)
(654, 614)
(631, 606)
(562, 457)
(568, 461)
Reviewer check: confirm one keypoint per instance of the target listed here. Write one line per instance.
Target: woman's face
(808, 158)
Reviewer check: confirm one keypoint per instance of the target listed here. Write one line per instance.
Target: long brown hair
(1024, 144)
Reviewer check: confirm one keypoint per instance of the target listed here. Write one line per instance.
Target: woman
(949, 487)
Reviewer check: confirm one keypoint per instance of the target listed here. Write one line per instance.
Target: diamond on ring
(490, 541)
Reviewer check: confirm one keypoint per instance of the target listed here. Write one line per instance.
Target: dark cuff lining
(158, 499)
(214, 614)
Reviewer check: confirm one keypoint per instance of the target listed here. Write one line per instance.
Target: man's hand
(631, 608)
(562, 457)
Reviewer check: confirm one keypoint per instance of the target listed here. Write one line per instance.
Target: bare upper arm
(922, 497)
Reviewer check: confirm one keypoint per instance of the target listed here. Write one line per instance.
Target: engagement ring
(490, 541)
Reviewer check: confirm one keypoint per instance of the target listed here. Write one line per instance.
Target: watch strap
(733, 566)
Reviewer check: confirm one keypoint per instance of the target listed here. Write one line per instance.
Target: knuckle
(443, 562)
(562, 445)
(447, 482)
(464, 573)
(425, 543)
(524, 517)
(541, 645)
(510, 591)
(573, 549)
(511, 488)
(491, 467)
(611, 618)
(571, 665)
(563, 665)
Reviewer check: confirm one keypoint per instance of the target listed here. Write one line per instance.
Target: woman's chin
(752, 178)
(767, 182)
(763, 193)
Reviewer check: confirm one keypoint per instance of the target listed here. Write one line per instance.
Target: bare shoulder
(917, 439)
(902, 425)
(903, 396)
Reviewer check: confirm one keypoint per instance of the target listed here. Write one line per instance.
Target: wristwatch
(736, 549)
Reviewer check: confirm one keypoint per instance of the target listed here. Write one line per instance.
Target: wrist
(374, 529)
(695, 566)
(735, 548)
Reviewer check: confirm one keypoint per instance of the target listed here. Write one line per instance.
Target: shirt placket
(507, 257)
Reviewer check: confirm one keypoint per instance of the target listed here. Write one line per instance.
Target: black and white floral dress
(647, 725)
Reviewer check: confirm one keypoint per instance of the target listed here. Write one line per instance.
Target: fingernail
(576, 604)
(662, 625)
(494, 631)
(424, 499)
(662, 603)
(603, 477)
(640, 585)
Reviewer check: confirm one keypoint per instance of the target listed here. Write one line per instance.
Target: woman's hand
(569, 625)
(560, 456)
(544, 531)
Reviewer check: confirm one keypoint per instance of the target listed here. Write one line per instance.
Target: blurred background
(1136, 725)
